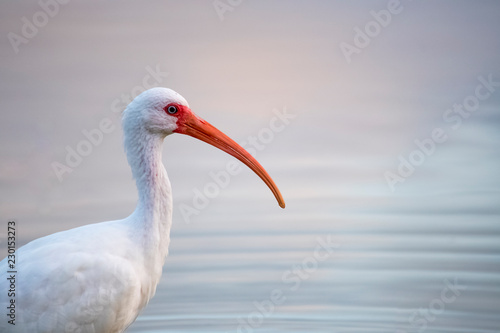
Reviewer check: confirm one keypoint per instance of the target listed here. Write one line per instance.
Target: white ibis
(98, 277)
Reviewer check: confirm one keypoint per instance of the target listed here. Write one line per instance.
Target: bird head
(162, 111)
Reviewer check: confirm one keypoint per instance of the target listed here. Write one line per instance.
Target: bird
(98, 277)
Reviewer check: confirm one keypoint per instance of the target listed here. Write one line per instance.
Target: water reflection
(399, 275)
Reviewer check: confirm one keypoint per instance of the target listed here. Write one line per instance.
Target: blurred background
(378, 120)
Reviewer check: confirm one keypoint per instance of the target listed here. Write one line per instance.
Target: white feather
(98, 277)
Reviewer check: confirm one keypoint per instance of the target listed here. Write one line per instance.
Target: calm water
(389, 273)
(267, 271)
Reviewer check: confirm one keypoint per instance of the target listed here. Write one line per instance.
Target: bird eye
(172, 109)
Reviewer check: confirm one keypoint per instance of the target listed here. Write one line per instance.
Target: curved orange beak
(192, 125)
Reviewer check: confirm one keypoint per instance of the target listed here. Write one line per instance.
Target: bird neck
(153, 215)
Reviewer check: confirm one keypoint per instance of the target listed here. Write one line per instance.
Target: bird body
(80, 280)
(98, 277)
